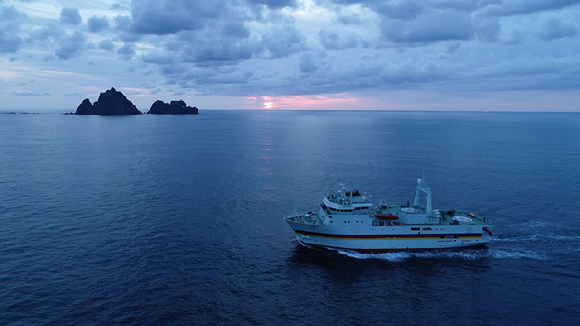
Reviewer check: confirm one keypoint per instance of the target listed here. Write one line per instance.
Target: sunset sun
(268, 105)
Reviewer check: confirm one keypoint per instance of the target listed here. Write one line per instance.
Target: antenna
(423, 188)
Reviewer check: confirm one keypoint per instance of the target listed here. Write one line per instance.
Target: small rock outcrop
(111, 102)
(175, 107)
(86, 107)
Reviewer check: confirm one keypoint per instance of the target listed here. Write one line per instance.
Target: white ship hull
(392, 238)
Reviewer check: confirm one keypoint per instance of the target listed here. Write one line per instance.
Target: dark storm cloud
(71, 46)
(70, 16)
(10, 21)
(98, 24)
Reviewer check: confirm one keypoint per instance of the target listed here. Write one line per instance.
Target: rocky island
(111, 102)
(175, 107)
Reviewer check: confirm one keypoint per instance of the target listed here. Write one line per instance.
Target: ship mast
(422, 188)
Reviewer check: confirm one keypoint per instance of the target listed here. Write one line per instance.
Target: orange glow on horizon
(268, 105)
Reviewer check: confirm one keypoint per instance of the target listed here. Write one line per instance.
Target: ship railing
(386, 223)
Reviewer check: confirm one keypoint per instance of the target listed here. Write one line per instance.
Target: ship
(348, 220)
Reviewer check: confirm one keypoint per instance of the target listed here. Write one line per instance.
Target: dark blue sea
(175, 220)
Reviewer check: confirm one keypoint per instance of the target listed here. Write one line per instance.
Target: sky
(465, 55)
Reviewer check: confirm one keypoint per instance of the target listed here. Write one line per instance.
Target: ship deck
(440, 218)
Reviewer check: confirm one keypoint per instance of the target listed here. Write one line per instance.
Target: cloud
(10, 21)
(70, 16)
(172, 16)
(71, 46)
(223, 46)
(404, 11)
(487, 30)
(98, 24)
(211, 79)
(44, 35)
(224, 51)
(276, 4)
(554, 28)
(106, 45)
(306, 63)
(333, 40)
(521, 7)
(530, 73)
(122, 25)
(291, 47)
(159, 58)
(126, 50)
(9, 43)
(432, 27)
(350, 19)
(235, 30)
(463, 5)
(25, 93)
(212, 47)
(120, 7)
(283, 41)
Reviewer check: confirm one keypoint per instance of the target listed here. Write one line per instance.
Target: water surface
(147, 220)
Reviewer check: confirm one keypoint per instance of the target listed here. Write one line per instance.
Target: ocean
(174, 220)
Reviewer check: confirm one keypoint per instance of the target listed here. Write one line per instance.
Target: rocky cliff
(175, 107)
(111, 102)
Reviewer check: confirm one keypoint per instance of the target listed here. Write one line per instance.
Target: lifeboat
(386, 217)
